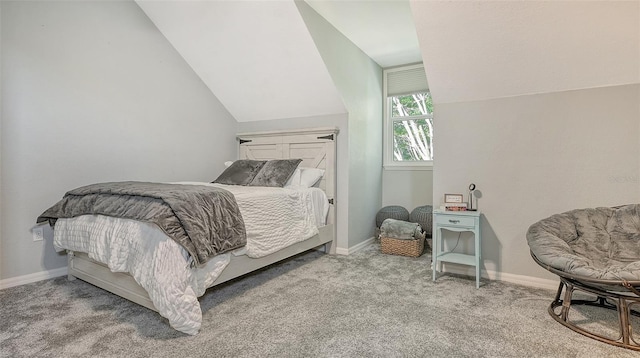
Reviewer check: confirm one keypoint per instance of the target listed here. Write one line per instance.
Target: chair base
(623, 305)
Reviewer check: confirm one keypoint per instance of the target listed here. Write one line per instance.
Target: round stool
(423, 215)
(391, 212)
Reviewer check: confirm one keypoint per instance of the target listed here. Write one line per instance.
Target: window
(412, 122)
(408, 119)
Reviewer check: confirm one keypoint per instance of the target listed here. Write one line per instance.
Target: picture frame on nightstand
(453, 198)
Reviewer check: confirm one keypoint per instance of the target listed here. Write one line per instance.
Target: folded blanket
(398, 229)
(204, 220)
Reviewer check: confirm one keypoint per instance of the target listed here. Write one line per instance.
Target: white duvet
(274, 218)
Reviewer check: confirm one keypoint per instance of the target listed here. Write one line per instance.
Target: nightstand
(456, 221)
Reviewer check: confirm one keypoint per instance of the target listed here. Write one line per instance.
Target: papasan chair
(595, 251)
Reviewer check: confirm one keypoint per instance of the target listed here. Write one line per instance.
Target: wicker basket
(411, 248)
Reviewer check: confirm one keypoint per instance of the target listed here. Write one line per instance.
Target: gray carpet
(314, 305)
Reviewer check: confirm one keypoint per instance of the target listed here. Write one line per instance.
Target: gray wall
(1, 106)
(359, 80)
(536, 155)
(92, 92)
(408, 188)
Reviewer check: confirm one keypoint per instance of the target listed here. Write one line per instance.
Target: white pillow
(294, 180)
(310, 176)
(304, 177)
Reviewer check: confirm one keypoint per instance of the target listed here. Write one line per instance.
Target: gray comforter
(206, 221)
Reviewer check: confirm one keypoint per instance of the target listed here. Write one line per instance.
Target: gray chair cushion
(600, 243)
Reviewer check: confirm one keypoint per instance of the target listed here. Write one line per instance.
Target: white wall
(408, 188)
(91, 92)
(534, 156)
(257, 50)
(359, 81)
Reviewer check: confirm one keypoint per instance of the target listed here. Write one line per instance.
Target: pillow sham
(241, 172)
(275, 173)
(294, 180)
(310, 177)
(305, 177)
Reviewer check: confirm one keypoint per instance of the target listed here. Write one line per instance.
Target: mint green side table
(456, 221)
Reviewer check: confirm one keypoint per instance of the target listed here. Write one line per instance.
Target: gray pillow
(241, 172)
(275, 173)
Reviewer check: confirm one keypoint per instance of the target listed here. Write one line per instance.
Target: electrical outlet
(38, 233)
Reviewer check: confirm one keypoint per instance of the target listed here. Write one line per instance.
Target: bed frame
(316, 147)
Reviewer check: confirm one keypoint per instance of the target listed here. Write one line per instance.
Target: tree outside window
(412, 122)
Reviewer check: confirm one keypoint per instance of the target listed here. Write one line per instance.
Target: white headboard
(315, 146)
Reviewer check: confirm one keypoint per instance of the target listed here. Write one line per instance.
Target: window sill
(408, 167)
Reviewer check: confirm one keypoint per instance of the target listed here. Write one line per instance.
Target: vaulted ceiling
(384, 30)
(259, 59)
(492, 49)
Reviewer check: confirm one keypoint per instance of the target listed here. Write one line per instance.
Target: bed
(123, 255)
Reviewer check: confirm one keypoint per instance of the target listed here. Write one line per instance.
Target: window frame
(388, 163)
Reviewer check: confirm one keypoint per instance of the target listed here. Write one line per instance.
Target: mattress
(274, 218)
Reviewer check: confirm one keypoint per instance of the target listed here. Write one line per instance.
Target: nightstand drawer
(455, 220)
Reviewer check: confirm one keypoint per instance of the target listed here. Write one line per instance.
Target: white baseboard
(529, 281)
(506, 277)
(526, 280)
(355, 248)
(31, 278)
(461, 270)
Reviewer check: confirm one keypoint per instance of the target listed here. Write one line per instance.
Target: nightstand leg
(434, 253)
(478, 254)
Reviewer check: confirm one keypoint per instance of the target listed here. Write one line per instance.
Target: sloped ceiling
(492, 49)
(257, 57)
(383, 29)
